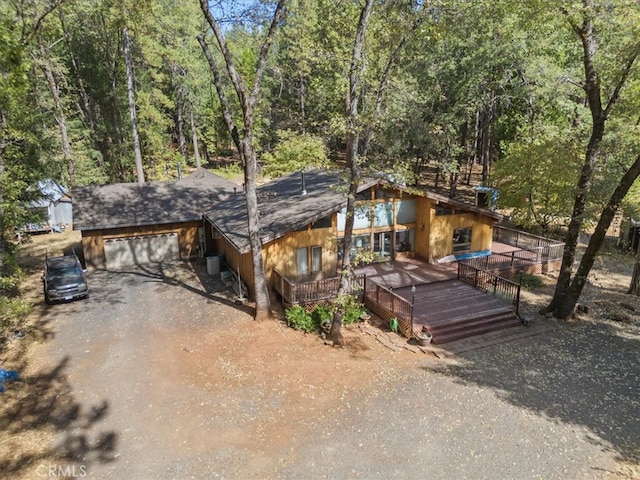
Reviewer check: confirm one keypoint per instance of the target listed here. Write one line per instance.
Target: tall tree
(244, 138)
(353, 137)
(131, 93)
(568, 288)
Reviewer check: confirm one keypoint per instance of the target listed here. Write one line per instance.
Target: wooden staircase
(451, 310)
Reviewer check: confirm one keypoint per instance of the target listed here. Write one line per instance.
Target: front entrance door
(382, 244)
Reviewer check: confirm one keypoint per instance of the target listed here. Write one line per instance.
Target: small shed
(54, 204)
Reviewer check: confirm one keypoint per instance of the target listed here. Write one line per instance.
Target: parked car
(64, 279)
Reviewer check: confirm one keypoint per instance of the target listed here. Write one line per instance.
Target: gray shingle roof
(152, 203)
(284, 209)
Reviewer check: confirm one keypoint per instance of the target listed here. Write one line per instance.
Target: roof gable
(152, 203)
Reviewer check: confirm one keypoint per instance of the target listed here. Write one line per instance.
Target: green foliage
(322, 313)
(298, 318)
(294, 152)
(232, 171)
(536, 180)
(351, 307)
(12, 313)
(529, 280)
(12, 309)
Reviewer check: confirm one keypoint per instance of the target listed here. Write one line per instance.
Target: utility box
(213, 265)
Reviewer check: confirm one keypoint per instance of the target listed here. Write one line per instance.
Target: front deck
(450, 300)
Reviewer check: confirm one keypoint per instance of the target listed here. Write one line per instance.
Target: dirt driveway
(160, 375)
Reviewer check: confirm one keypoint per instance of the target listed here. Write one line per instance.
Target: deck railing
(387, 304)
(543, 251)
(491, 283)
(303, 292)
(502, 261)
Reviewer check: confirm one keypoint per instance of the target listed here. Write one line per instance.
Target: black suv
(64, 279)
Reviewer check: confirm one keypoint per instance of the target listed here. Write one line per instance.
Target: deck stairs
(451, 310)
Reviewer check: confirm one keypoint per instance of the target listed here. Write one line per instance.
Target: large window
(406, 212)
(462, 240)
(362, 218)
(316, 259)
(302, 261)
(383, 214)
(405, 240)
(303, 255)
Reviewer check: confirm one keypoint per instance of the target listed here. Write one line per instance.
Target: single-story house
(302, 219)
(129, 223)
(53, 204)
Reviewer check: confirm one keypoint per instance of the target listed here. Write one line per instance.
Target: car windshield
(66, 272)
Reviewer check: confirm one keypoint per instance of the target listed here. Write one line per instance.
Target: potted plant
(424, 338)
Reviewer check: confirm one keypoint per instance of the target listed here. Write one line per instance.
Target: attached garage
(140, 250)
(129, 224)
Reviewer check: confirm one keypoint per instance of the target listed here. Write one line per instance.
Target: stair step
(460, 334)
(473, 322)
(452, 320)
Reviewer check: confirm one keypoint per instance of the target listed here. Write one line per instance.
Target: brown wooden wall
(281, 254)
(442, 227)
(237, 262)
(93, 240)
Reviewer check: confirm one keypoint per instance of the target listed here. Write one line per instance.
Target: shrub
(321, 313)
(352, 309)
(298, 318)
(529, 280)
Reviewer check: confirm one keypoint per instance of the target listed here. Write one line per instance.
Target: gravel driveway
(159, 375)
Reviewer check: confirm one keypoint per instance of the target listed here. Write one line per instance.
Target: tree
(634, 288)
(294, 152)
(244, 137)
(132, 107)
(568, 288)
(353, 136)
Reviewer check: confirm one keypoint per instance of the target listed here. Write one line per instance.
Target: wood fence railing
(387, 304)
(491, 283)
(310, 291)
(543, 251)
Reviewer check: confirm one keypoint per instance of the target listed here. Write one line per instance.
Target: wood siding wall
(93, 240)
(442, 227)
(281, 254)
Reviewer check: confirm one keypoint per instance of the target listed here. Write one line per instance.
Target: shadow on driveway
(583, 374)
(43, 402)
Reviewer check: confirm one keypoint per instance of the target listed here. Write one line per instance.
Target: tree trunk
(132, 107)
(182, 142)
(634, 288)
(194, 135)
(247, 100)
(567, 291)
(565, 309)
(60, 117)
(335, 334)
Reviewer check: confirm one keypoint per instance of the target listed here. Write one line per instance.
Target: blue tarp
(6, 375)
(481, 253)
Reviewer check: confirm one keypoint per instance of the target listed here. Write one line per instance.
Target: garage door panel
(140, 250)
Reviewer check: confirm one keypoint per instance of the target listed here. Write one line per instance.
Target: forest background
(496, 84)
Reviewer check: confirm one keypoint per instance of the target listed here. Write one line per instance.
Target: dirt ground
(269, 386)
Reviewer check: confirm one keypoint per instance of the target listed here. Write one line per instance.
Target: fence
(386, 304)
(302, 293)
(545, 252)
(491, 283)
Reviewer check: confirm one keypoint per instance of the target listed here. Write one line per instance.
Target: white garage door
(124, 252)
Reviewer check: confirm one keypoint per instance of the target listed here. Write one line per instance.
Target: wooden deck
(451, 310)
(447, 307)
